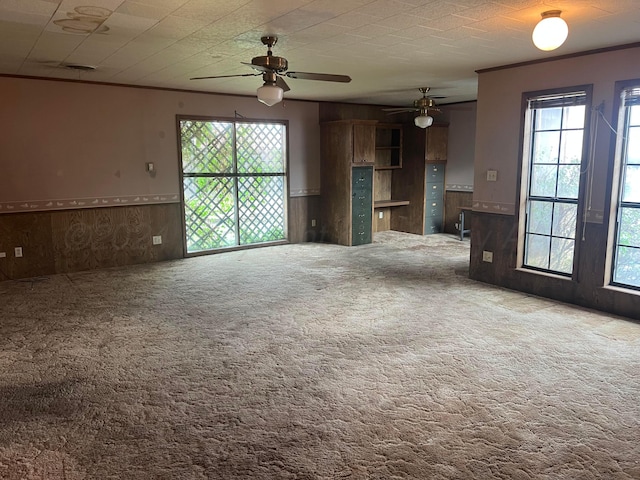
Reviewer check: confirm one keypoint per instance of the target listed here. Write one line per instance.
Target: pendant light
(270, 93)
(423, 120)
(550, 32)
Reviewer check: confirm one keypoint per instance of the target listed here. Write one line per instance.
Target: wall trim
(304, 192)
(459, 188)
(494, 207)
(89, 202)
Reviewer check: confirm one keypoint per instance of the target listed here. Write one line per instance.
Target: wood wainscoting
(64, 241)
(499, 234)
(453, 201)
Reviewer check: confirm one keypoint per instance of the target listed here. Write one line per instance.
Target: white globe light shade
(270, 94)
(550, 32)
(423, 121)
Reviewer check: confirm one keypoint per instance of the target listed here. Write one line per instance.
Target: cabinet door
(364, 143)
(437, 137)
(361, 205)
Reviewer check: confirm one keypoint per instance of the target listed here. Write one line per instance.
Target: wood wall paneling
(498, 234)
(66, 241)
(301, 211)
(453, 202)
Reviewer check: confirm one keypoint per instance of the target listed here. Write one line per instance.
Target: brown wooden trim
(143, 87)
(561, 57)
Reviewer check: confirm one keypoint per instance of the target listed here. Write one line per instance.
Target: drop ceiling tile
(437, 9)
(202, 9)
(120, 22)
(53, 46)
(398, 22)
(416, 32)
(482, 12)
(353, 20)
(297, 20)
(138, 9)
(31, 7)
(176, 27)
(335, 7)
(385, 8)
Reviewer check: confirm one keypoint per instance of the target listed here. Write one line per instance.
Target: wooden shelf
(388, 167)
(390, 147)
(390, 203)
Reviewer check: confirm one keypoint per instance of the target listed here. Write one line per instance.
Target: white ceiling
(388, 47)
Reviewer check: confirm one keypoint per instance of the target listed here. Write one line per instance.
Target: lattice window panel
(209, 207)
(207, 147)
(261, 209)
(234, 194)
(260, 148)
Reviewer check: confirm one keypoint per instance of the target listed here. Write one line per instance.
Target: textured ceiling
(388, 47)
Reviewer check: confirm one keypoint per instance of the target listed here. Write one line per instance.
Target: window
(553, 154)
(234, 183)
(626, 265)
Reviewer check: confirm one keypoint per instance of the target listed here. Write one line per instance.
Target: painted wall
(71, 145)
(461, 147)
(494, 225)
(499, 116)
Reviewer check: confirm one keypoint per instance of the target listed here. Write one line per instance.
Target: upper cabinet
(364, 141)
(436, 148)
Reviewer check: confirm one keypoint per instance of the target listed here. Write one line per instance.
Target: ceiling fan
(273, 69)
(423, 105)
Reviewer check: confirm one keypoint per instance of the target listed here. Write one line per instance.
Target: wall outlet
(313, 222)
(18, 252)
(380, 214)
(150, 167)
(157, 239)
(492, 175)
(487, 256)
(3, 254)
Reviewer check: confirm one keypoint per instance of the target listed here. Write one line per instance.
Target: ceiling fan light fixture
(550, 32)
(423, 121)
(270, 94)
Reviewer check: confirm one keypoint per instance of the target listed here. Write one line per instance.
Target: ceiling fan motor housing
(271, 62)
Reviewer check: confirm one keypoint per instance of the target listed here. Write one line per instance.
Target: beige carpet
(312, 362)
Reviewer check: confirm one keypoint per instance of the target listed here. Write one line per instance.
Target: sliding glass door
(234, 181)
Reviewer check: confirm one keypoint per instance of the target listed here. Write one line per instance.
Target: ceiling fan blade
(259, 68)
(400, 110)
(282, 84)
(227, 76)
(325, 77)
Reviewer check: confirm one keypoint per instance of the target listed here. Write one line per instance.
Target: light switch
(492, 175)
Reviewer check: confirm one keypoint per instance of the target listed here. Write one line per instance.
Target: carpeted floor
(312, 362)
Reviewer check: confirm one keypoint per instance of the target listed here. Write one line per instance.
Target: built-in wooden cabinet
(378, 176)
(421, 180)
(348, 155)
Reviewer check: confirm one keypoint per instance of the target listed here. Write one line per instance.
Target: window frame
(616, 178)
(524, 178)
(286, 175)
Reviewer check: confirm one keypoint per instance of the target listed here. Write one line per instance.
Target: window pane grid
(234, 182)
(555, 157)
(626, 265)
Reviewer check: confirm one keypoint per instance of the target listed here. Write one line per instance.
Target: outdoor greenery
(234, 183)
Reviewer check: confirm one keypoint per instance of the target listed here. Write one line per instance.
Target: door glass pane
(537, 253)
(540, 217)
(574, 117)
(548, 118)
(627, 268)
(568, 181)
(561, 255)
(543, 180)
(631, 188)
(634, 115)
(207, 147)
(564, 220)
(209, 205)
(546, 147)
(633, 148)
(260, 148)
(261, 209)
(629, 233)
(571, 147)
